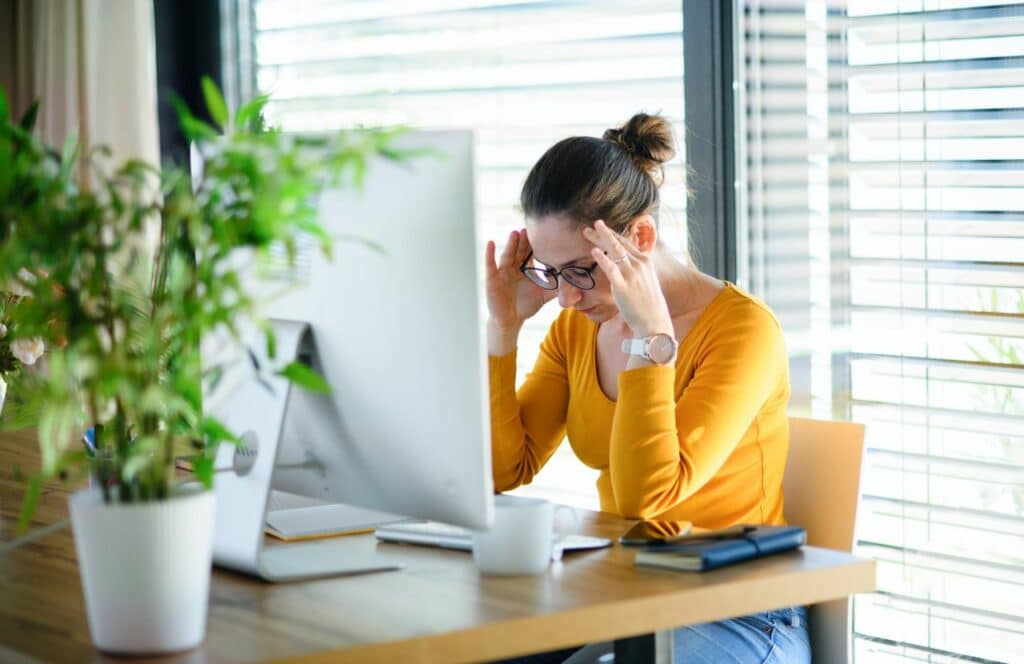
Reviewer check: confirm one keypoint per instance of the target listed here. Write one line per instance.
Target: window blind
(523, 74)
(887, 158)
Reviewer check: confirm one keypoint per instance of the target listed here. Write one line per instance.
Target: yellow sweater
(704, 441)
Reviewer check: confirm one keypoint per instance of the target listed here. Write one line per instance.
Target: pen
(89, 441)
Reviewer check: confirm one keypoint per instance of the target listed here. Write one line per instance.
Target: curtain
(92, 64)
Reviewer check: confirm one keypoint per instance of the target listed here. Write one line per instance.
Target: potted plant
(130, 318)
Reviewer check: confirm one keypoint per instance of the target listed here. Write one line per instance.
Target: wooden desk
(438, 609)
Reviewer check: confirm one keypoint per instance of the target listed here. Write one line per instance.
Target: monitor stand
(256, 409)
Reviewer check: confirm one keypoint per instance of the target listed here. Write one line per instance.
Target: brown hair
(614, 178)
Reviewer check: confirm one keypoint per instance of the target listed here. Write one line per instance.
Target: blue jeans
(773, 637)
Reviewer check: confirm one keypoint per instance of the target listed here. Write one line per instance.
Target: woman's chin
(598, 314)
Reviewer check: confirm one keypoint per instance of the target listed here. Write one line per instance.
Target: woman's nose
(568, 295)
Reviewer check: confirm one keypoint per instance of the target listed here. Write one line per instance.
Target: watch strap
(635, 347)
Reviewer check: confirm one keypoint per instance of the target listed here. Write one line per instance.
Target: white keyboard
(431, 533)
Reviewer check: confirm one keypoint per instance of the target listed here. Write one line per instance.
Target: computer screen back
(396, 317)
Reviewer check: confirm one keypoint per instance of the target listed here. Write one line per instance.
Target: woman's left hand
(634, 281)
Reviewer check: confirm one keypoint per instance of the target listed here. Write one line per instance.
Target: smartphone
(645, 533)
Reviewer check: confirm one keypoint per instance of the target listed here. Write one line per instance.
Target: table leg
(645, 649)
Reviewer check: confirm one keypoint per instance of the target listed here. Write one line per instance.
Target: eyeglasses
(547, 278)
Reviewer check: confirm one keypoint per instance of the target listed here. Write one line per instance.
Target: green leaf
(215, 102)
(366, 242)
(268, 331)
(29, 504)
(140, 457)
(73, 458)
(69, 154)
(317, 231)
(180, 407)
(28, 120)
(359, 172)
(55, 427)
(304, 377)
(5, 112)
(101, 150)
(249, 112)
(216, 374)
(215, 432)
(195, 129)
(202, 468)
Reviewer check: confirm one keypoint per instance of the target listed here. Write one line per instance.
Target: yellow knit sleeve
(527, 427)
(665, 447)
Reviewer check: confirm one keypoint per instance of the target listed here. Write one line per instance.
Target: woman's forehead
(556, 241)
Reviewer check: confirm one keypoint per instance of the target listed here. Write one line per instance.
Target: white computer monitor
(401, 341)
(399, 335)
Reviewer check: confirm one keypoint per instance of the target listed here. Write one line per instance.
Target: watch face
(662, 348)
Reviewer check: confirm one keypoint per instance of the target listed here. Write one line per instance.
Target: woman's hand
(511, 297)
(633, 279)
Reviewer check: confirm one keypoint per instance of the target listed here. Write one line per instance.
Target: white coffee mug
(522, 539)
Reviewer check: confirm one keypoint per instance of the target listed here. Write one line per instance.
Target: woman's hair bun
(648, 139)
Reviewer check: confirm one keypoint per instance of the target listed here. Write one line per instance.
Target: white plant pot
(145, 570)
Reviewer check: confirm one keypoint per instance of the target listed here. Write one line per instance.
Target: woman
(672, 383)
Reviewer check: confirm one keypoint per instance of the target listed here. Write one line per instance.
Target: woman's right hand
(511, 297)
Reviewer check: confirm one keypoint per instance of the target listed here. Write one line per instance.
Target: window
(523, 74)
(885, 224)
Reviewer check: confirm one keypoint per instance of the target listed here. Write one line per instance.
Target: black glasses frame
(574, 275)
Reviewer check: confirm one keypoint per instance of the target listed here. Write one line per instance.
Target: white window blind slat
(281, 14)
(866, 12)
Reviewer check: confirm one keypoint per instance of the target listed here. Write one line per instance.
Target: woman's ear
(643, 233)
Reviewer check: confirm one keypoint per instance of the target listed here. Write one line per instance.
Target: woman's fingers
(508, 256)
(620, 243)
(517, 248)
(606, 240)
(627, 244)
(609, 267)
(632, 277)
(523, 247)
(489, 265)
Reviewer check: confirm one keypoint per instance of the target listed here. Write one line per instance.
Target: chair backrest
(822, 480)
(821, 487)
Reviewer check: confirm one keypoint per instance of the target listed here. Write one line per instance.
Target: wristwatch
(660, 348)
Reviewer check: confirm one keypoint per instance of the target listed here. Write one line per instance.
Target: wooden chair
(821, 486)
